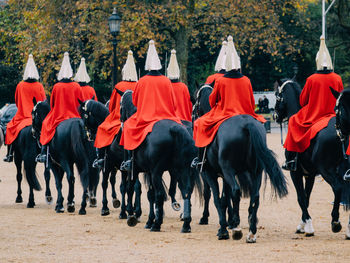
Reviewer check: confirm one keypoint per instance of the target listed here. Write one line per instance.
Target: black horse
(324, 156)
(69, 146)
(93, 114)
(239, 154)
(169, 147)
(25, 150)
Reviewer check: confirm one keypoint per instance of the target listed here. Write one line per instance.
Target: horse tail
(267, 160)
(184, 146)
(80, 152)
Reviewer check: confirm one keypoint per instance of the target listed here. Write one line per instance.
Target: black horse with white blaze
(324, 156)
(169, 147)
(239, 154)
(69, 146)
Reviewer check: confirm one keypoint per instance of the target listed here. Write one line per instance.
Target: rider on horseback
(64, 105)
(107, 131)
(183, 102)
(82, 77)
(26, 90)
(220, 67)
(317, 104)
(154, 99)
(232, 95)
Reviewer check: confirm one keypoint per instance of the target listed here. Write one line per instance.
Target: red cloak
(213, 77)
(230, 97)
(111, 125)
(154, 99)
(64, 105)
(88, 92)
(182, 101)
(317, 104)
(25, 92)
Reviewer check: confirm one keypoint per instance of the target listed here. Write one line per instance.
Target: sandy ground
(41, 235)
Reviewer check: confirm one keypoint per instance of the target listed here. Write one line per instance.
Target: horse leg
(58, 173)
(29, 168)
(105, 209)
(253, 209)
(123, 190)
(236, 229)
(160, 196)
(172, 192)
(206, 195)
(347, 234)
(309, 184)
(19, 177)
(137, 205)
(214, 186)
(71, 182)
(131, 220)
(48, 196)
(336, 225)
(151, 200)
(112, 179)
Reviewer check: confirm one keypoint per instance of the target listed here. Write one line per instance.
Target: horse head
(39, 112)
(202, 105)
(342, 111)
(127, 108)
(93, 113)
(287, 93)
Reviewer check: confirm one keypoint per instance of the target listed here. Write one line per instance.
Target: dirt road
(41, 235)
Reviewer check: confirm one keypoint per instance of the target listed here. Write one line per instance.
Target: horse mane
(127, 106)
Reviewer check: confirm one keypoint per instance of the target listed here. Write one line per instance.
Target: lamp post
(114, 22)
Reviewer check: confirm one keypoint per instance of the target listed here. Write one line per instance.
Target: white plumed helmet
(173, 69)
(66, 71)
(323, 58)
(152, 59)
(221, 60)
(82, 75)
(232, 59)
(30, 71)
(129, 70)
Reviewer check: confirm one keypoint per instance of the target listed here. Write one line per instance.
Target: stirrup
(290, 165)
(41, 158)
(196, 163)
(346, 176)
(98, 163)
(8, 158)
(126, 166)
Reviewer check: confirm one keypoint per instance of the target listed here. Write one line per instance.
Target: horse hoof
(176, 206)
(48, 200)
(203, 221)
(30, 205)
(116, 203)
(59, 210)
(336, 227)
(93, 202)
(300, 231)
(237, 233)
(223, 235)
(230, 227)
(105, 212)
(71, 208)
(19, 199)
(132, 221)
(155, 228)
(186, 229)
(251, 238)
(123, 216)
(148, 225)
(82, 212)
(309, 234)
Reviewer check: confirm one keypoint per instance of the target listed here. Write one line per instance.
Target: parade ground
(41, 235)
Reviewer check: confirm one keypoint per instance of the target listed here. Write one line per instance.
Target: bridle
(197, 105)
(85, 117)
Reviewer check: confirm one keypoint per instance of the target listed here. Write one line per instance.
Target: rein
(85, 117)
(196, 106)
(341, 136)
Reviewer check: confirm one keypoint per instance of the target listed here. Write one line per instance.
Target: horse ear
(93, 98)
(119, 92)
(34, 101)
(334, 92)
(80, 102)
(212, 84)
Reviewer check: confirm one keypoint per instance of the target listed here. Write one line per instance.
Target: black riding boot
(41, 158)
(198, 161)
(291, 161)
(9, 155)
(100, 160)
(127, 163)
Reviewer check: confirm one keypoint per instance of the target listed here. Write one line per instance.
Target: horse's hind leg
(58, 173)
(123, 190)
(137, 205)
(236, 229)
(172, 192)
(71, 182)
(112, 180)
(151, 215)
(347, 233)
(306, 221)
(253, 209)
(19, 177)
(160, 196)
(105, 209)
(48, 196)
(206, 195)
